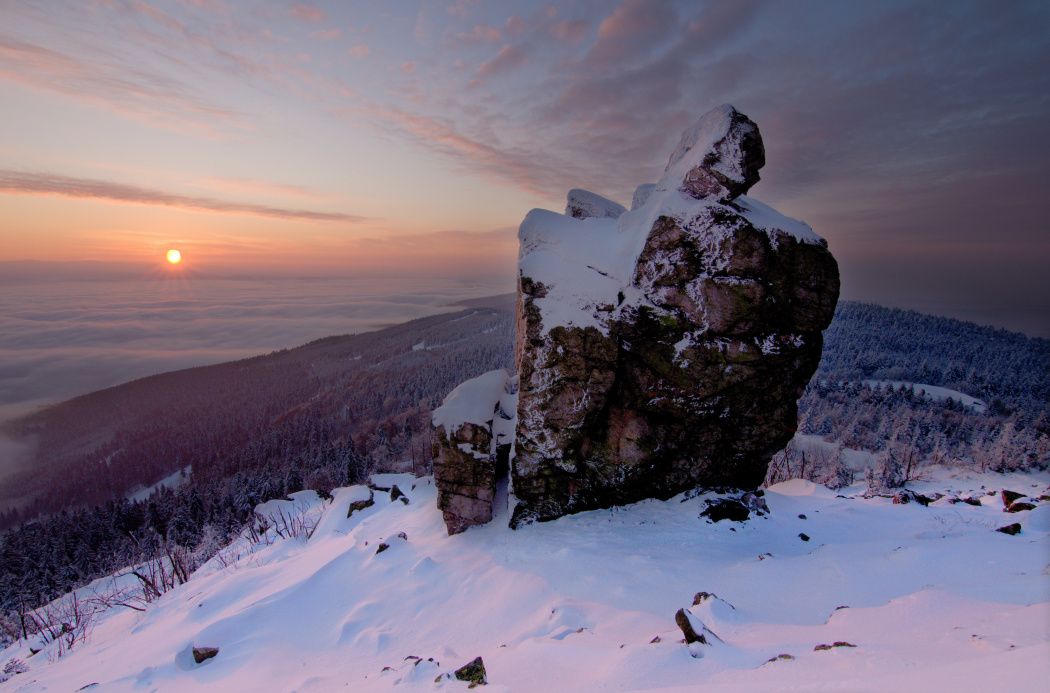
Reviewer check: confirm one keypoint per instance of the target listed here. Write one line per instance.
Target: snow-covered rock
(474, 431)
(583, 204)
(665, 347)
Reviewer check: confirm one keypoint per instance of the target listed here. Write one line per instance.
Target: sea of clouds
(65, 333)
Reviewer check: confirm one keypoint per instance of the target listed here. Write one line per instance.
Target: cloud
(263, 186)
(461, 8)
(507, 59)
(23, 183)
(327, 35)
(481, 34)
(307, 13)
(359, 51)
(570, 30)
(132, 91)
(631, 32)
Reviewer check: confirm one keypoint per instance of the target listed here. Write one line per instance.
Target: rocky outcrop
(665, 347)
(474, 431)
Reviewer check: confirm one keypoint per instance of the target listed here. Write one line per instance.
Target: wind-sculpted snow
(588, 602)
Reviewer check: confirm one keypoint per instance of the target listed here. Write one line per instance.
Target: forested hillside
(284, 409)
(867, 341)
(328, 413)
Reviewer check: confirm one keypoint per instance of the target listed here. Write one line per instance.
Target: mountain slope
(934, 600)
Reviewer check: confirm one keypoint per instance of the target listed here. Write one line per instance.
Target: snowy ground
(932, 598)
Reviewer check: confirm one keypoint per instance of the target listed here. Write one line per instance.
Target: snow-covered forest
(896, 392)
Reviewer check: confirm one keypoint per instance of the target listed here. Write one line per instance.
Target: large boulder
(665, 347)
(472, 442)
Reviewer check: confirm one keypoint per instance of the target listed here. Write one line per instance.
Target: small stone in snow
(200, 654)
(803, 536)
(837, 643)
(779, 656)
(802, 517)
(1010, 496)
(1015, 528)
(473, 672)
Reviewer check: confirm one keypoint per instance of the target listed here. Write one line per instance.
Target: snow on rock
(472, 402)
(474, 433)
(719, 156)
(583, 204)
(666, 346)
(931, 598)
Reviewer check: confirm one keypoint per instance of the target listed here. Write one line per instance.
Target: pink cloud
(307, 13)
(262, 186)
(24, 183)
(515, 26)
(158, 16)
(409, 66)
(569, 30)
(461, 8)
(160, 100)
(327, 35)
(508, 58)
(480, 34)
(515, 167)
(632, 30)
(359, 51)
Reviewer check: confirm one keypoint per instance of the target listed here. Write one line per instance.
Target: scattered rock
(701, 597)
(779, 656)
(473, 672)
(1010, 496)
(1015, 528)
(801, 517)
(655, 640)
(685, 624)
(384, 545)
(725, 509)
(905, 496)
(838, 643)
(803, 536)
(396, 493)
(361, 504)
(200, 654)
(1018, 506)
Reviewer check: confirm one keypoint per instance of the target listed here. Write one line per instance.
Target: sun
(174, 256)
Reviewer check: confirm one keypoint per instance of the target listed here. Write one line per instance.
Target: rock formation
(659, 348)
(664, 347)
(474, 432)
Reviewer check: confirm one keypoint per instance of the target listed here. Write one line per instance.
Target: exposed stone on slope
(474, 430)
(666, 348)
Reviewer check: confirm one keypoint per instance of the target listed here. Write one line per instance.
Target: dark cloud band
(26, 183)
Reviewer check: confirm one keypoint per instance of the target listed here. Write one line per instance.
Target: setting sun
(174, 256)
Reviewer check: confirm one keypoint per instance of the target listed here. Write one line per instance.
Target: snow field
(935, 600)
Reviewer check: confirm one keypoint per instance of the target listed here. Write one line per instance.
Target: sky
(410, 138)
